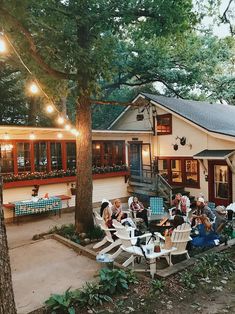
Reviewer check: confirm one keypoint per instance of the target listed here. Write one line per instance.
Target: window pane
(56, 156)
(108, 154)
(71, 155)
(118, 158)
(164, 124)
(40, 156)
(23, 157)
(191, 172)
(96, 154)
(6, 156)
(163, 168)
(176, 170)
(221, 182)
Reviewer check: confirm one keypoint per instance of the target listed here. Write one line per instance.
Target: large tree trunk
(7, 303)
(83, 211)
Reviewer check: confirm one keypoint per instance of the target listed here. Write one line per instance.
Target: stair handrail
(164, 181)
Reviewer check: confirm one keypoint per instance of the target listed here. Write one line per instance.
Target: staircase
(147, 185)
(150, 185)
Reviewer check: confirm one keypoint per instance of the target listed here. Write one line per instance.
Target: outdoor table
(31, 207)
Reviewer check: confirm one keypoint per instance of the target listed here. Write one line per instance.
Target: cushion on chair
(156, 205)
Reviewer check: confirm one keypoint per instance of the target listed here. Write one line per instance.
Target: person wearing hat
(203, 209)
(221, 219)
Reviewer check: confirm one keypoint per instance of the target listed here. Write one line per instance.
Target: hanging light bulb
(3, 46)
(77, 133)
(60, 120)
(32, 136)
(67, 127)
(6, 136)
(59, 135)
(49, 108)
(74, 131)
(34, 88)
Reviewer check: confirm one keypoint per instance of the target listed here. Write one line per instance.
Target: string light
(73, 131)
(34, 88)
(6, 136)
(32, 136)
(59, 135)
(67, 127)
(77, 133)
(3, 46)
(60, 120)
(49, 108)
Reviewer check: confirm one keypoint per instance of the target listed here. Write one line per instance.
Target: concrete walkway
(40, 268)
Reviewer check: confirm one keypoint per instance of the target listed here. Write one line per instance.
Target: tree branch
(33, 49)
(110, 102)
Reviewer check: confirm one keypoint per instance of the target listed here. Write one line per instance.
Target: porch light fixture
(32, 136)
(6, 136)
(49, 108)
(34, 88)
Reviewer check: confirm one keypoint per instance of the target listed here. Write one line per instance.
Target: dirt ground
(216, 297)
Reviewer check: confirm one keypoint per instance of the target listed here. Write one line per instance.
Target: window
(96, 154)
(191, 171)
(164, 124)
(182, 171)
(56, 156)
(118, 153)
(40, 156)
(23, 157)
(108, 154)
(221, 182)
(71, 155)
(6, 157)
(176, 170)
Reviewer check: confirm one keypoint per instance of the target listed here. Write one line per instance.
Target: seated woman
(141, 212)
(178, 220)
(181, 204)
(106, 214)
(117, 212)
(206, 237)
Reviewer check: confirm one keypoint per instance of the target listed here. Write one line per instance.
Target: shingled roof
(217, 118)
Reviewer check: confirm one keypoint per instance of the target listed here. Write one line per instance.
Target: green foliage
(209, 265)
(61, 302)
(114, 280)
(157, 286)
(95, 233)
(92, 294)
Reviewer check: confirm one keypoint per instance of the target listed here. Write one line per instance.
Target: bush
(95, 233)
(115, 280)
(61, 302)
(92, 295)
(157, 286)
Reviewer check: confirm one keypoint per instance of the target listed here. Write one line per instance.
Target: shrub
(114, 280)
(157, 286)
(91, 295)
(95, 233)
(61, 302)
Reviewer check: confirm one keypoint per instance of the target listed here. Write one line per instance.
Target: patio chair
(133, 213)
(129, 244)
(156, 205)
(211, 205)
(179, 239)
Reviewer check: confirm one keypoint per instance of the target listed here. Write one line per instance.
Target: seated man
(181, 204)
(138, 207)
(202, 209)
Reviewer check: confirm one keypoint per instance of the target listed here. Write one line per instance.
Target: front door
(220, 183)
(135, 159)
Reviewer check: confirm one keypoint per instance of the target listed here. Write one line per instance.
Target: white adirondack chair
(129, 245)
(133, 214)
(179, 239)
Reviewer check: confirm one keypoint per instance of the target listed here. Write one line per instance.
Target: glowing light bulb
(67, 127)
(33, 88)
(77, 133)
(74, 131)
(60, 120)
(59, 135)
(32, 136)
(3, 46)
(49, 108)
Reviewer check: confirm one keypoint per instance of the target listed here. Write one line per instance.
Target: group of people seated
(206, 224)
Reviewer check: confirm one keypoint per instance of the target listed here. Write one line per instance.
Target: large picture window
(56, 156)
(163, 124)
(71, 155)
(182, 171)
(6, 156)
(108, 153)
(23, 157)
(40, 156)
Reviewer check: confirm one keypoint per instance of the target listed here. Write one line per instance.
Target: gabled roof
(217, 118)
(214, 154)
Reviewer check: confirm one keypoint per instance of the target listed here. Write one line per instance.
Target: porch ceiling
(213, 154)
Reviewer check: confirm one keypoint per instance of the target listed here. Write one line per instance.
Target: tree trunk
(84, 211)
(32, 113)
(7, 303)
